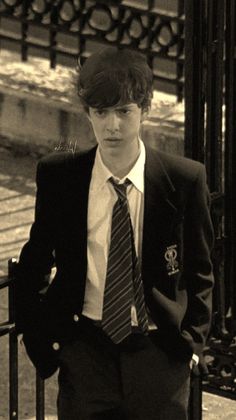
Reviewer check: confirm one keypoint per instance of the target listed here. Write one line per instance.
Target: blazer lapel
(81, 177)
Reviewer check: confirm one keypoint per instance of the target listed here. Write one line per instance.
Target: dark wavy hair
(115, 76)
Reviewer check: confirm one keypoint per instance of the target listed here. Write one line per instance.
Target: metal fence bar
(24, 30)
(13, 346)
(214, 92)
(230, 155)
(40, 397)
(214, 142)
(195, 401)
(53, 34)
(180, 63)
(194, 79)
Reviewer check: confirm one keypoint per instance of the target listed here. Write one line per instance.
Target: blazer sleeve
(36, 258)
(198, 271)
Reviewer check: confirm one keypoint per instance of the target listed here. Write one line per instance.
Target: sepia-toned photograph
(117, 210)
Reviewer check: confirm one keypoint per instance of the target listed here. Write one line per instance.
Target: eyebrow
(130, 105)
(125, 106)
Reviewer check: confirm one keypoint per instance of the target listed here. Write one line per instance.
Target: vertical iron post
(40, 398)
(194, 78)
(214, 92)
(195, 403)
(195, 34)
(180, 64)
(230, 155)
(13, 346)
(214, 143)
(53, 34)
(24, 30)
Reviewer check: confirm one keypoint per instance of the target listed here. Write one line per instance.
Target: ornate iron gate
(210, 136)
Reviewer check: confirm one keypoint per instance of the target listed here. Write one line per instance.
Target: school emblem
(171, 258)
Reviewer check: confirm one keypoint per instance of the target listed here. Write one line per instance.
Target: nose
(112, 122)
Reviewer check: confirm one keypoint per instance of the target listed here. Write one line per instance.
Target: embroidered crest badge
(171, 258)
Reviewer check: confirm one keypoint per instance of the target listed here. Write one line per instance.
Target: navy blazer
(176, 264)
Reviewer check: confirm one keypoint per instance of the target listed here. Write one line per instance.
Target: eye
(100, 112)
(124, 111)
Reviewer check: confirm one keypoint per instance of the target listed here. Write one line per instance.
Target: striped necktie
(123, 280)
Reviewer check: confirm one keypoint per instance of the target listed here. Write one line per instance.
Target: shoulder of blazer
(59, 164)
(174, 166)
(64, 159)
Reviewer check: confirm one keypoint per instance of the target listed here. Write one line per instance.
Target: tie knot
(120, 189)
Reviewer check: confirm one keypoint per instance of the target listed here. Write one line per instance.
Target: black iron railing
(64, 31)
(8, 328)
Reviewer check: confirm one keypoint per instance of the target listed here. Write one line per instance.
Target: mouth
(112, 139)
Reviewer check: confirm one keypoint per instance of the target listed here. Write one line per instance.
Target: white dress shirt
(102, 198)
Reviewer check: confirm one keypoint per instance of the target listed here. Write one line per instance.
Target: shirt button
(76, 317)
(56, 346)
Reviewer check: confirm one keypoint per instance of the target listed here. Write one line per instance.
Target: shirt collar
(136, 174)
(101, 173)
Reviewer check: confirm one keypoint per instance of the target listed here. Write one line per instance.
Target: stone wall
(39, 111)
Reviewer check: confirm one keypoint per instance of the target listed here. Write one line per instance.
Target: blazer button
(76, 318)
(56, 346)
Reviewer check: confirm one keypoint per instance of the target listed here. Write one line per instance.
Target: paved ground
(17, 190)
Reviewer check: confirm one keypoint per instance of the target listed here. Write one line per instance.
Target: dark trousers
(132, 381)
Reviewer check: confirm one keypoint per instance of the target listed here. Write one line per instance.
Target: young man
(129, 231)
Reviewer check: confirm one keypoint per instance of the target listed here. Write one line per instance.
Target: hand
(194, 361)
(191, 364)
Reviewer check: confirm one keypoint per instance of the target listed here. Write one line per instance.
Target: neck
(120, 165)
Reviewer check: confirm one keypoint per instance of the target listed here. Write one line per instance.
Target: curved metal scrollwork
(40, 7)
(100, 18)
(12, 3)
(221, 362)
